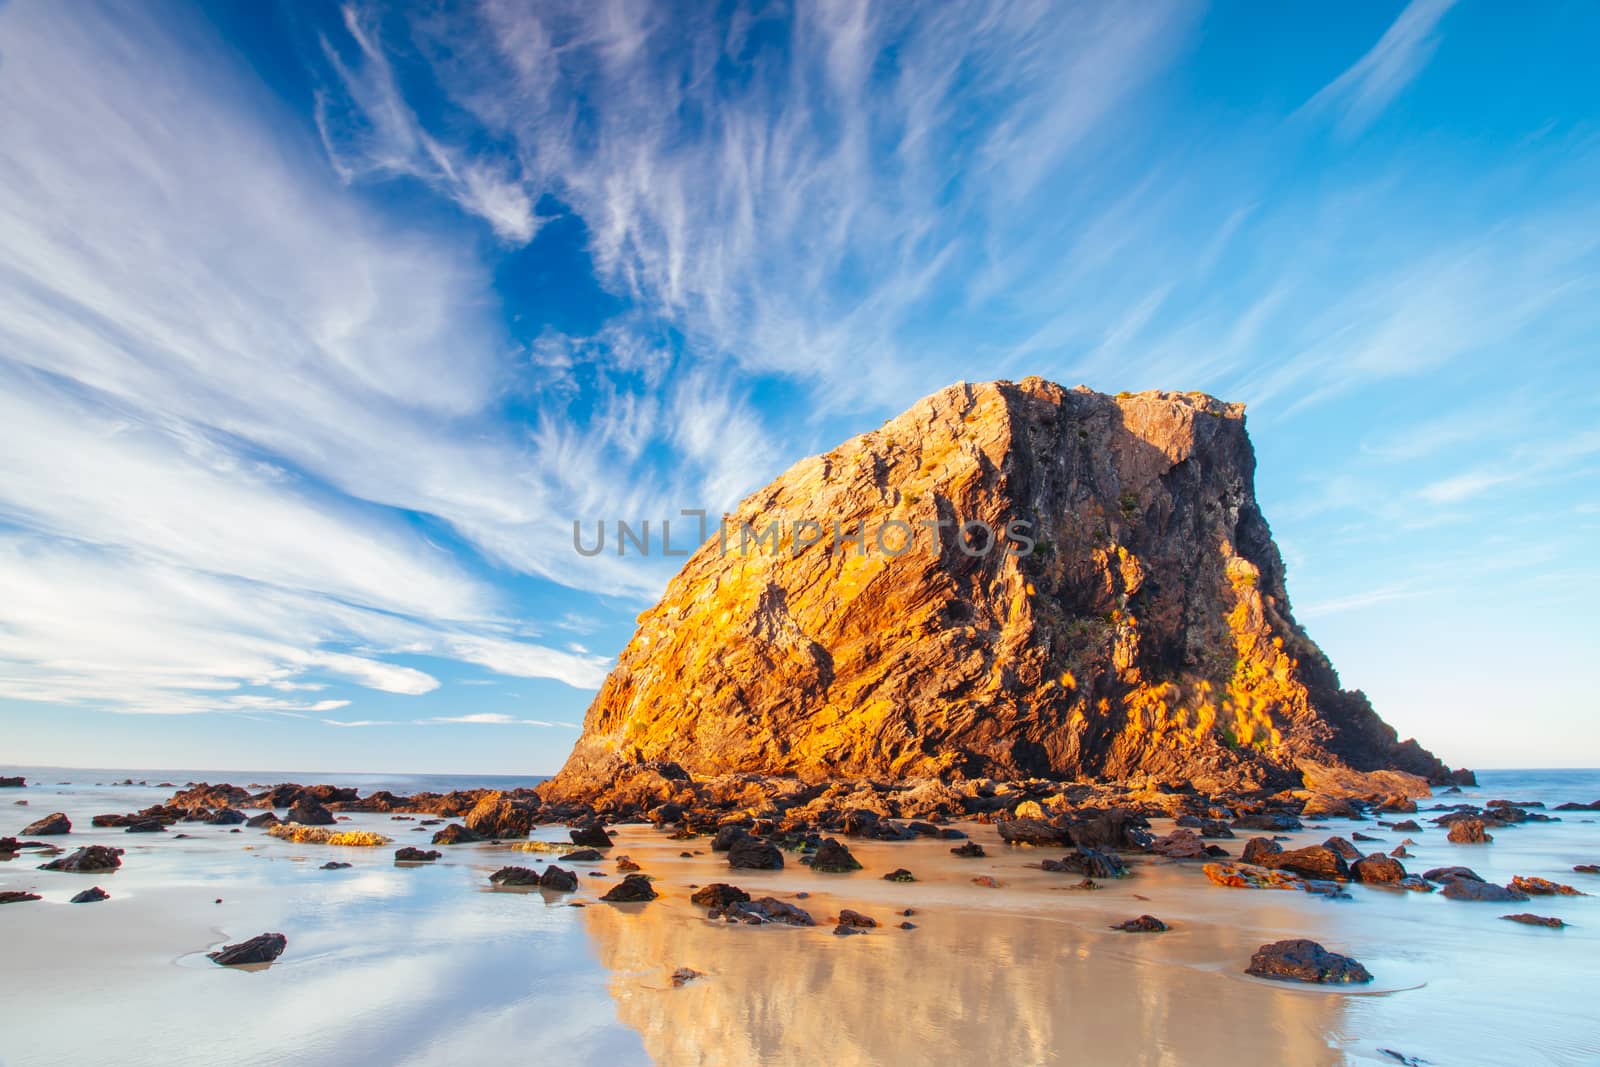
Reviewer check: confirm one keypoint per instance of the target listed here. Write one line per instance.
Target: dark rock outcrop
(263, 948)
(92, 895)
(1303, 960)
(1529, 919)
(1128, 615)
(1144, 924)
(17, 896)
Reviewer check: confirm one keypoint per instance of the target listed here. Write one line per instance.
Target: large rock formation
(1145, 628)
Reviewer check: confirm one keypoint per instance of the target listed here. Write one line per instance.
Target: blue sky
(319, 325)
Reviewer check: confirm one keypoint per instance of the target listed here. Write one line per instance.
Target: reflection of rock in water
(973, 988)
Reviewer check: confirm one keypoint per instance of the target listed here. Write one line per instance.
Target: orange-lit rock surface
(1146, 632)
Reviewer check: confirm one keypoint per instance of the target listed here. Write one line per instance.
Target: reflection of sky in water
(423, 965)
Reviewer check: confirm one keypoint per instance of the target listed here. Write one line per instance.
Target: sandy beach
(430, 964)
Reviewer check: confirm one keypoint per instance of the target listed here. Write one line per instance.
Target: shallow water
(425, 965)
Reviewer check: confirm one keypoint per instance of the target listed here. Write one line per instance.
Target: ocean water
(428, 965)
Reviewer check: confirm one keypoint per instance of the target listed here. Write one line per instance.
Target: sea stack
(1128, 619)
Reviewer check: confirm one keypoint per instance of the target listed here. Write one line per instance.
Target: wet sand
(428, 965)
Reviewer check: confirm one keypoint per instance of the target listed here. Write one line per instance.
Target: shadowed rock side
(1146, 630)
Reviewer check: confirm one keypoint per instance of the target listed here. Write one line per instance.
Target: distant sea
(366, 783)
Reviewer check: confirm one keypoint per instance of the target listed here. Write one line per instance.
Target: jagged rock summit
(1129, 619)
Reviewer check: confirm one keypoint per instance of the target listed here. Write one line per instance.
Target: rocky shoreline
(1090, 831)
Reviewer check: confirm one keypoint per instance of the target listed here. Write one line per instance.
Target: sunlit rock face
(1145, 630)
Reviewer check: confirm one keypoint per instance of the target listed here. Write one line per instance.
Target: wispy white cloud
(371, 130)
(791, 216)
(1362, 92)
(492, 719)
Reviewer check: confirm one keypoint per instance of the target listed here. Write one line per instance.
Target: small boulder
(1469, 832)
(52, 825)
(263, 948)
(1035, 832)
(1530, 919)
(498, 815)
(265, 819)
(308, 812)
(725, 836)
(1275, 821)
(899, 874)
(753, 853)
(456, 834)
(1251, 876)
(718, 895)
(90, 858)
(409, 854)
(1303, 960)
(1474, 890)
(1346, 849)
(1182, 844)
(14, 896)
(1144, 924)
(1377, 870)
(1090, 862)
(834, 858)
(1257, 847)
(970, 850)
(626, 865)
(335, 865)
(763, 911)
(582, 855)
(684, 975)
(515, 876)
(558, 879)
(847, 917)
(633, 889)
(591, 836)
(227, 817)
(1543, 887)
(91, 895)
(1313, 861)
